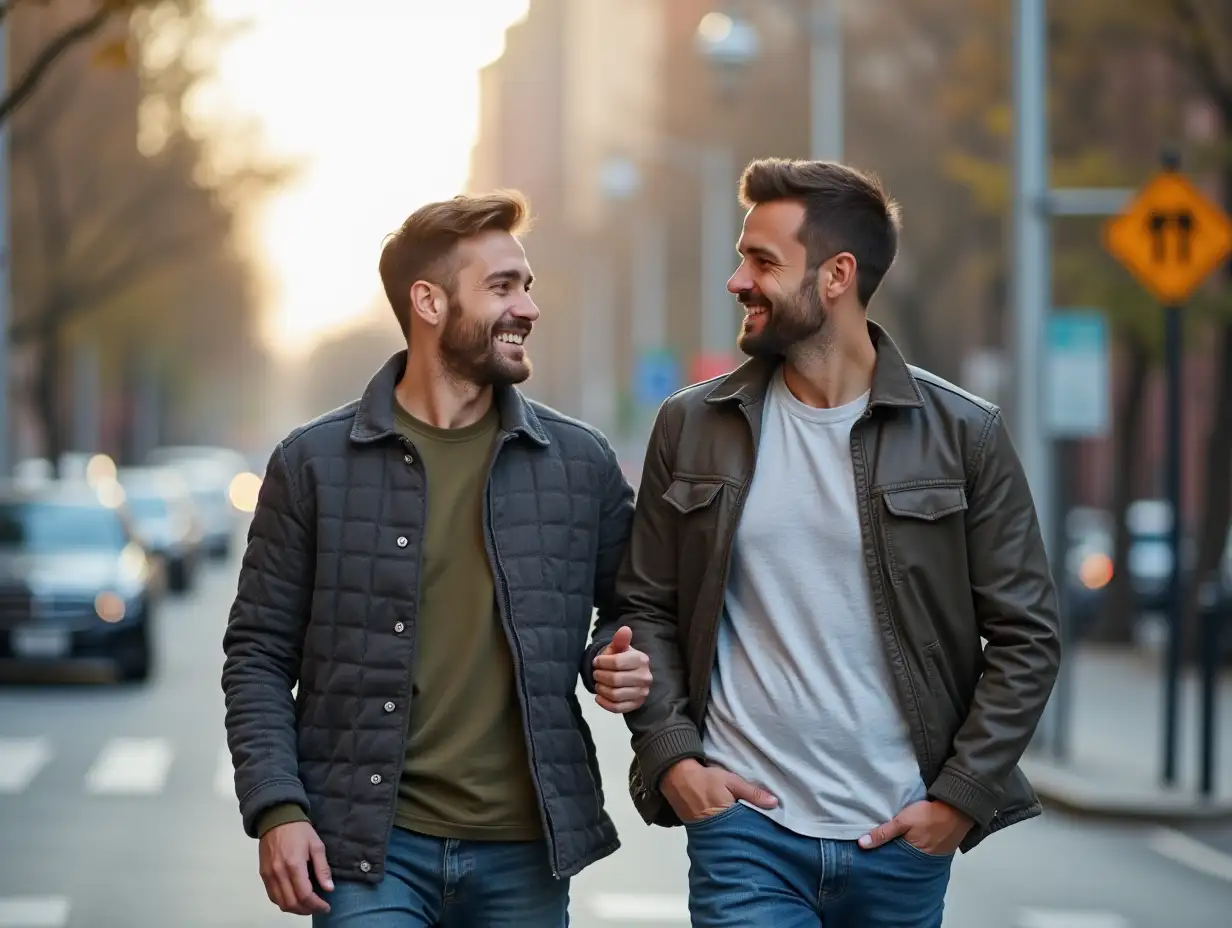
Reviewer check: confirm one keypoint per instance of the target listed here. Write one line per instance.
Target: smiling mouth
(511, 338)
(750, 311)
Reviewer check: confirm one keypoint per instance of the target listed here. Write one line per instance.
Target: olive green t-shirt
(466, 773)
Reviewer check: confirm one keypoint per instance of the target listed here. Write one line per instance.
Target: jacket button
(389, 707)
(375, 778)
(401, 541)
(365, 866)
(408, 458)
(399, 627)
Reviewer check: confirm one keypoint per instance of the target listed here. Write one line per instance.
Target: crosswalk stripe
(20, 761)
(1056, 918)
(640, 908)
(1184, 850)
(34, 912)
(224, 775)
(130, 766)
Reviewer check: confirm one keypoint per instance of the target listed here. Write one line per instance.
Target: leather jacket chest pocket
(697, 504)
(922, 528)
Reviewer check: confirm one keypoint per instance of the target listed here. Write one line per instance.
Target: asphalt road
(116, 811)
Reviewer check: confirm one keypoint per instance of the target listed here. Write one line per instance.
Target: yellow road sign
(1171, 237)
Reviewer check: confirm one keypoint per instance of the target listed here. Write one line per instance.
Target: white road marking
(224, 775)
(130, 766)
(34, 912)
(20, 761)
(1057, 918)
(1195, 855)
(640, 908)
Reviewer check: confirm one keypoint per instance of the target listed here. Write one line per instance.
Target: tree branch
(1202, 55)
(28, 82)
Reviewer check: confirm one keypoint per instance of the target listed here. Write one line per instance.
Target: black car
(76, 586)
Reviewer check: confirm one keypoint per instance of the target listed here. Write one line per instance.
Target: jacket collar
(893, 382)
(374, 418)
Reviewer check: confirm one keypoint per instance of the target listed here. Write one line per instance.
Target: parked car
(75, 583)
(165, 518)
(219, 480)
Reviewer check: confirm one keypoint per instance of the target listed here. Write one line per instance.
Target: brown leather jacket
(961, 585)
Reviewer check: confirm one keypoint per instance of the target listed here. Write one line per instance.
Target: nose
(739, 281)
(527, 309)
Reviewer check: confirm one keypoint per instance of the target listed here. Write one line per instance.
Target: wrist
(679, 769)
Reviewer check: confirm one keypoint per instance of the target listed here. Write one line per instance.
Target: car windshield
(148, 508)
(46, 527)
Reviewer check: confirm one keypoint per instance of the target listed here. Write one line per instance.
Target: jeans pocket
(717, 817)
(922, 854)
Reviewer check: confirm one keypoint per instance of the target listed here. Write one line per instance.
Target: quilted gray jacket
(327, 600)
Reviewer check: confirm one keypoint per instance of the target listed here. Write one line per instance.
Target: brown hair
(844, 210)
(424, 246)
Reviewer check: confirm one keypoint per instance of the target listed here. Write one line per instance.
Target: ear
(428, 302)
(837, 276)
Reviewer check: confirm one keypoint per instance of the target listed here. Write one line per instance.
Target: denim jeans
(746, 871)
(445, 882)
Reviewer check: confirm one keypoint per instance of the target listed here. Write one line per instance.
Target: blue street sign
(656, 376)
(1078, 378)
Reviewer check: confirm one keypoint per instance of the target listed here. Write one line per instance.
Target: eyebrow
(508, 276)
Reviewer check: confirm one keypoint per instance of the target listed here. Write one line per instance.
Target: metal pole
(718, 238)
(1213, 608)
(1172, 491)
(1032, 274)
(598, 351)
(87, 401)
(826, 81)
(6, 432)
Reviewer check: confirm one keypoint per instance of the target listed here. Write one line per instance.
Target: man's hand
(622, 674)
(930, 826)
(285, 854)
(697, 792)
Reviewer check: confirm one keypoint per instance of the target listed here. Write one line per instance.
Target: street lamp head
(725, 41)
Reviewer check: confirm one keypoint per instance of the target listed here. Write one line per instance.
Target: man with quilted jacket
(412, 616)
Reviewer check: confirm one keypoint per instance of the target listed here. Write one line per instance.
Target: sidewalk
(1115, 740)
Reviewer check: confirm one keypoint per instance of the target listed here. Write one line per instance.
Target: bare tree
(113, 214)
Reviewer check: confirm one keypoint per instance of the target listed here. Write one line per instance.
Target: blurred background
(194, 194)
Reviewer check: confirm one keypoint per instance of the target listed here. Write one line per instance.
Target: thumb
(320, 866)
(743, 789)
(621, 641)
(884, 834)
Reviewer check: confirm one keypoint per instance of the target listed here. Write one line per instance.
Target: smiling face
(489, 312)
(773, 283)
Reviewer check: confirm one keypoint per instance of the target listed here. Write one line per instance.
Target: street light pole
(6, 263)
(1032, 277)
(826, 81)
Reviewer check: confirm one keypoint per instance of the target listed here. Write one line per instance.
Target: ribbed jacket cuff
(965, 795)
(670, 746)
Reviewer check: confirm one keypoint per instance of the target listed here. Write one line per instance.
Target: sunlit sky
(378, 99)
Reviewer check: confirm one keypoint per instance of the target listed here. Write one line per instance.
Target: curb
(1062, 787)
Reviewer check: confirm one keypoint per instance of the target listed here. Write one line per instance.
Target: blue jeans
(431, 882)
(746, 871)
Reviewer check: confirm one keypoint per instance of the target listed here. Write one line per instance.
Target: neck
(432, 394)
(837, 368)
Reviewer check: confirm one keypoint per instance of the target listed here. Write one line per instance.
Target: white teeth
(510, 338)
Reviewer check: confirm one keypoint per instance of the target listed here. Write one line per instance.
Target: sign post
(1076, 406)
(1171, 237)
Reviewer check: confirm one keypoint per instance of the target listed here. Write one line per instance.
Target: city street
(116, 811)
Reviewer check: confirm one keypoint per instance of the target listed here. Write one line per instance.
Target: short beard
(469, 353)
(793, 324)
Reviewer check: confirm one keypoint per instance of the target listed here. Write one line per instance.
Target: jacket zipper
(712, 645)
(506, 614)
(896, 643)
